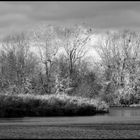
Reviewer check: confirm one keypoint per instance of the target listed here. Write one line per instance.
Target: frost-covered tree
(119, 53)
(48, 45)
(17, 62)
(74, 43)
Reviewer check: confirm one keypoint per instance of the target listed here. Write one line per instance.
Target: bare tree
(74, 42)
(48, 48)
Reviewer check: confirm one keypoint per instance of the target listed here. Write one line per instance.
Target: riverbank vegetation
(22, 105)
(50, 60)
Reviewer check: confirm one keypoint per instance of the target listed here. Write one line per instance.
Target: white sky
(15, 16)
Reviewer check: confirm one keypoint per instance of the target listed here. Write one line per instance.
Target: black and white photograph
(69, 70)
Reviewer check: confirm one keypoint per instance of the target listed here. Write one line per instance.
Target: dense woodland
(114, 79)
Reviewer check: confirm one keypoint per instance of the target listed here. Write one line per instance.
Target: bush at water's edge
(49, 105)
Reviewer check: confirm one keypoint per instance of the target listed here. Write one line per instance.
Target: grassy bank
(49, 105)
(103, 131)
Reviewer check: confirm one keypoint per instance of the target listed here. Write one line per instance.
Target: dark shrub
(52, 105)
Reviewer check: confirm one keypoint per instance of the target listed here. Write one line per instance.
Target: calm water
(124, 111)
(116, 115)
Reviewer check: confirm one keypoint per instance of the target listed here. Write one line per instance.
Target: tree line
(115, 78)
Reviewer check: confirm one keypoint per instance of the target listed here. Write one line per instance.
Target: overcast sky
(103, 15)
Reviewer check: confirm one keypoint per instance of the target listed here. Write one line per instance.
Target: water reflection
(115, 114)
(3, 120)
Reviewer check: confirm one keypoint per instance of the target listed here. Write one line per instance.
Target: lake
(118, 123)
(124, 111)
